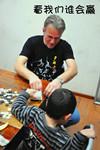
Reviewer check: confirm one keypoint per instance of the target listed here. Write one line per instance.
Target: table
(8, 133)
(13, 81)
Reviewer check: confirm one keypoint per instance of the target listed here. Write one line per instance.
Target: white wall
(18, 22)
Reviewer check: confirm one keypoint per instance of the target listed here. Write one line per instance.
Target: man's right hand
(35, 83)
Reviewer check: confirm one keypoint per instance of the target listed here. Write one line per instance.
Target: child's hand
(31, 92)
(90, 133)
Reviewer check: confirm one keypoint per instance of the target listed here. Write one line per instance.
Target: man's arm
(24, 72)
(66, 76)
(71, 71)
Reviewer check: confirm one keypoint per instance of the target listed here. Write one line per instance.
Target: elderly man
(44, 56)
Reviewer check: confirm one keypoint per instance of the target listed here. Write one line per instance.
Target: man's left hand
(55, 84)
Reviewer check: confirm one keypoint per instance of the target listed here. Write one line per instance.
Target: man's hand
(90, 133)
(35, 83)
(55, 84)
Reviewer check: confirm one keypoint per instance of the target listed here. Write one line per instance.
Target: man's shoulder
(35, 38)
(63, 42)
(65, 46)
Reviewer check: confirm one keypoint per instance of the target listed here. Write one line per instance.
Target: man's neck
(51, 122)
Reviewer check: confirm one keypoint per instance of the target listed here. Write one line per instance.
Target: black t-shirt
(46, 63)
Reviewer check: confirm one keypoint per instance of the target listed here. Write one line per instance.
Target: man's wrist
(60, 80)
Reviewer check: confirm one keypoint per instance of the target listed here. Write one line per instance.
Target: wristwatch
(60, 80)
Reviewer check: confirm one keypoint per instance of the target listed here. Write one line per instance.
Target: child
(45, 127)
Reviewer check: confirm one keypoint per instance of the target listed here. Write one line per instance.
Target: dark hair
(56, 21)
(61, 102)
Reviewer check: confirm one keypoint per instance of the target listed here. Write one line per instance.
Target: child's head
(61, 102)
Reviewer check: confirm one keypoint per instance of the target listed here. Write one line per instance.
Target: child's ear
(67, 117)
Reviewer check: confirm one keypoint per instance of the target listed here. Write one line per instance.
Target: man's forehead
(51, 31)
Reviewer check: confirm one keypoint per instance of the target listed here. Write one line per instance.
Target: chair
(90, 142)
